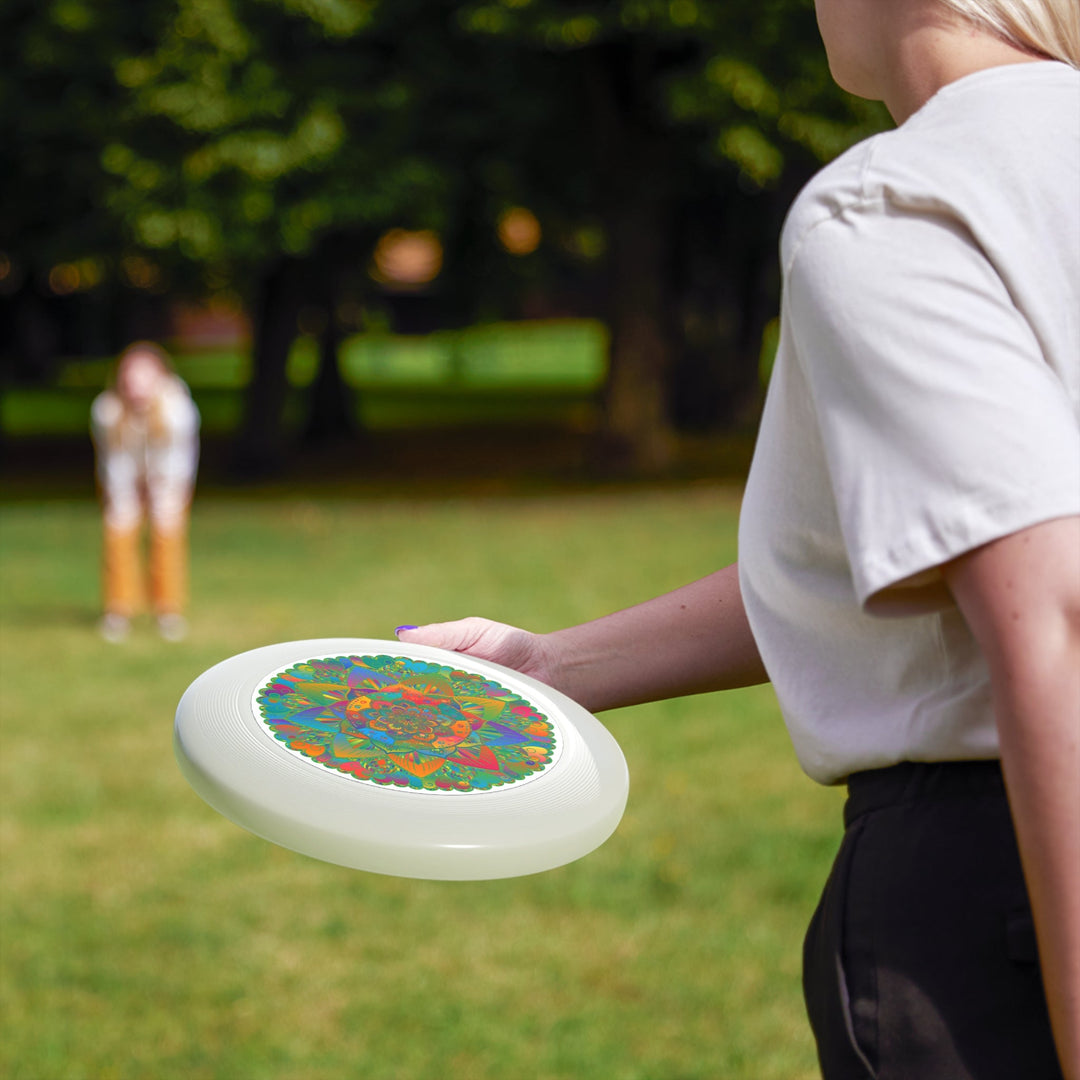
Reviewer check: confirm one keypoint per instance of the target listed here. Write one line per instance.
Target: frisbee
(400, 759)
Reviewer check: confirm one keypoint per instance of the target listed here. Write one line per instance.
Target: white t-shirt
(925, 400)
(145, 462)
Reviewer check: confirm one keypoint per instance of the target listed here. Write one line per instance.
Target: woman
(909, 574)
(145, 430)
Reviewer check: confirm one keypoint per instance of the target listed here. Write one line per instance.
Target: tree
(276, 140)
(59, 107)
(689, 108)
(262, 146)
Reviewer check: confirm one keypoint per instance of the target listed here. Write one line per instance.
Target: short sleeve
(178, 412)
(944, 426)
(105, 414)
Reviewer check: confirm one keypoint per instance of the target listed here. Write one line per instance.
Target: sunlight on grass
(145, 936)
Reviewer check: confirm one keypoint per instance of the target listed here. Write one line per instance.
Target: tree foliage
(264, 145)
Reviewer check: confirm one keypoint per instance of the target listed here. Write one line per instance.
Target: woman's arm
(689, 641)
(1021, 598)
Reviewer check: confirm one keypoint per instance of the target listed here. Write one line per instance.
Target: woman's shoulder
(106, 410)
(176, 404)
(831, 192)
(175, 388)
(998, 142)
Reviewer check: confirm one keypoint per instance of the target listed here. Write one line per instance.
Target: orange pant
(123, 581)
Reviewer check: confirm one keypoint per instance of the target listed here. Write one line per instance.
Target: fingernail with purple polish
(398, 629)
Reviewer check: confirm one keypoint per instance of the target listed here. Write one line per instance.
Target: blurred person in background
(909, 549)
(146, 437)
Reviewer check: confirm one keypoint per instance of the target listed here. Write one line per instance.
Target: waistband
(913, 781)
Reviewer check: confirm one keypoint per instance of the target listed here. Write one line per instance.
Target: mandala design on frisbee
(407, 723)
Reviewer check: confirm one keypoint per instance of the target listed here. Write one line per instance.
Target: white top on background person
(925, 400)
(145, 433)
(1001, 573)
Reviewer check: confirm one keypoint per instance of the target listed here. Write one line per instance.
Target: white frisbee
(400, 759)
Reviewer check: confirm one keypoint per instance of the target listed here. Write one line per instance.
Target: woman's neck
(930, 54)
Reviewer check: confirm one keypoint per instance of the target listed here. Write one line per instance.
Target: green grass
(145, 936)
(508, 373)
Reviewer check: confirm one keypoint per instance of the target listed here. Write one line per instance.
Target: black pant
(920, 961)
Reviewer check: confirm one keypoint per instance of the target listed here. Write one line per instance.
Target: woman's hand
(510, 646)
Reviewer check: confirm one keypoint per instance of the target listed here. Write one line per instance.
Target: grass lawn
(144, 936)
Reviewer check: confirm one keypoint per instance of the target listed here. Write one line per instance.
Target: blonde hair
(1048, 27)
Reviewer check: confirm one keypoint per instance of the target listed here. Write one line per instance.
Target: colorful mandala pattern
(407, 723)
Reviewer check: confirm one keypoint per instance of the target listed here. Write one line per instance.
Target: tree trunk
(635, 191)
(637, 426)
(35, 337)
(260, 448)
(727, 285)
(331, 416)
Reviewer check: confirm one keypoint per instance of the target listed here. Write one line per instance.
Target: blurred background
(477, 302)
(348, 216)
